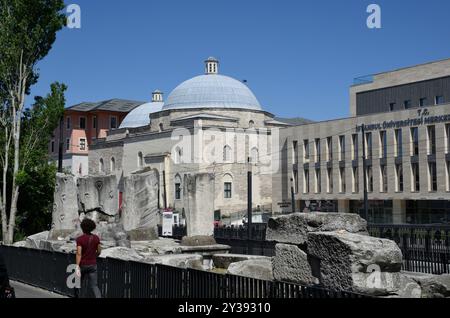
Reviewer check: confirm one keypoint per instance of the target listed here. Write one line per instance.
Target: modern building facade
(406, 140)
(83, 124)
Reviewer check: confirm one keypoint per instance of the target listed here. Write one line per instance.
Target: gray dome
(139, 116)
(212, 91)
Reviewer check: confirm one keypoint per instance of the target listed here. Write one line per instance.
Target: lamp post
(249, 206)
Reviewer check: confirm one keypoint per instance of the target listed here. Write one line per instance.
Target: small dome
(212, 91)
(140, 116)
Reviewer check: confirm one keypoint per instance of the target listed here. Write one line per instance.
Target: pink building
(84, 123)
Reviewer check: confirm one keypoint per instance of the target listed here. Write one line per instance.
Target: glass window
(53, 146)
(67, 144)
(399, 177)
(448, 175)
(317, 150)
(414, 141)
(355, 147)
(423, 102)
(432, 175)
(82, 144)
(439, 100)
(227, 190)
(318, 181)
(415, 177)
(82, 122)
(398, 143)
(329, 148)
(341, 148)
(369, 150)
(113, 122)
(69, 124)
(342, 180)
(113, 164)
(383, 144)
(369, 179)
(383, 179)
(306, 181)
(330, 180)
(306, 149)
(407, 104)
(94, 122)
(391, 107)
(295, 152)
(431, 140)
(101, 165)
(295, 181)
(447, 137)
(177, 191)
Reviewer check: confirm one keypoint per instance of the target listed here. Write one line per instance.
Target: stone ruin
(96, 197)
(130, 232)
(335, 251)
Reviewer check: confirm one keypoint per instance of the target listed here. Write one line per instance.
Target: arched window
(161, 127)
(113, 164)
(178, 191)
(140, 160)
(101, 166)
(178, 155)
(251, 124)
(227, 153)
(227, 186)
(254, 155)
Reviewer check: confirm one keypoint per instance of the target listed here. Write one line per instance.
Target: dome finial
(211, 66)
(157, 96)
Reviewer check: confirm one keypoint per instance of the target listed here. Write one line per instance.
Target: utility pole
(366, 208)
(61, 144)
(292, 196)
(249, 207)
(164, 189)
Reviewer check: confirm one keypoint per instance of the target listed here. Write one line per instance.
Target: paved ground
(26, 291)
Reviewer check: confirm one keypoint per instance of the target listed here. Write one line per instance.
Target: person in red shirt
(88, 248)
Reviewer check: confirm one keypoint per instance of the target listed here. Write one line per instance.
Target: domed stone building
(209, 124)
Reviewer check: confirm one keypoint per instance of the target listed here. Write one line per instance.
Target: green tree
(27, 32)
(36, 176)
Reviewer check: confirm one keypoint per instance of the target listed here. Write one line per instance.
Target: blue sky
(299, 57)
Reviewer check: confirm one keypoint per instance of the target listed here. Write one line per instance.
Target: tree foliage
(27, 33)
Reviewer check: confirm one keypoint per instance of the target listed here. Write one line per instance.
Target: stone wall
(199, 199)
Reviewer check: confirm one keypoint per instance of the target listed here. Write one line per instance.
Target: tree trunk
(4, 180)
(17, 121)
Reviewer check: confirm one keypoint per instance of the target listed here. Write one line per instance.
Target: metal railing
(425, 248)
(129, 279)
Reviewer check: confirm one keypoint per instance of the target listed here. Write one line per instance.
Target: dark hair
(87, 226)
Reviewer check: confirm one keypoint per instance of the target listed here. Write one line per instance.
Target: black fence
(178, 231)
(128, 279)
(425, 248)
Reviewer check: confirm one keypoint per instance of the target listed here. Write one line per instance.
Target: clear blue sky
(299, 57)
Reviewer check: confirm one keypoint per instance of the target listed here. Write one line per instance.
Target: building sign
(424, 118)
(284, 204)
